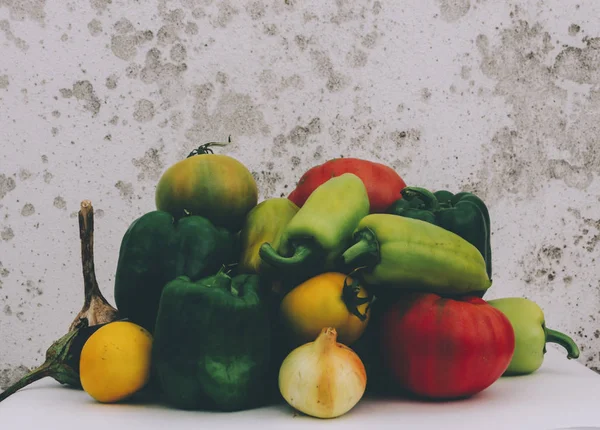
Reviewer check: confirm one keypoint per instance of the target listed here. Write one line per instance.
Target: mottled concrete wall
(98, 97)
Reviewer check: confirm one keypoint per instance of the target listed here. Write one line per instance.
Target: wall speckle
(48, 177)
(28, 209)
(84, 91)
(143, 111)
(100, 5)
(7, 234)
(95, 27)
(125, 189)
(323, 65)
(111, 82)
(29, 9)
(235, 114)
(453, 10)
(4, 82)
(539, 119)
(581, 65)
(178, 53)
(226, 13)
(150, 165)
(574, 29)
(168, 77)
(125, 42)
(10, 375)
(7, 184)
(18, 42)
(60, 203)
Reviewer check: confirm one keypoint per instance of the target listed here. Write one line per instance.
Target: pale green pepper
(531, 334)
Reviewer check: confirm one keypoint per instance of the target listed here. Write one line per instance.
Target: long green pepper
(322, 229)
(410, 254)
(463, 213)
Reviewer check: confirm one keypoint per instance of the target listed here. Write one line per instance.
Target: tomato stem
(351, 299)
(207, 148)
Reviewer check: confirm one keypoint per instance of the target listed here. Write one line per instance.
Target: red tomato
(442, 348)
(382, 182)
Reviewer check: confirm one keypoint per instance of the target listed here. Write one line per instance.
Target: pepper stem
(365, 251)
(426, 196)
(553, 336)
(35, 375)
(301, 254)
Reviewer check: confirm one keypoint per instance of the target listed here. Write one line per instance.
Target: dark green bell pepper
(156, 249)
(212, 343)
(463, 213)
(531, 334)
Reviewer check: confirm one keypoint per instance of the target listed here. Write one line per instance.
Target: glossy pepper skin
(156, 249)
(531, 333)
(264, 223)
(441, 348)
(321, 230)
(400, 253)
(212, 343)
(463, 213)
(383, 183)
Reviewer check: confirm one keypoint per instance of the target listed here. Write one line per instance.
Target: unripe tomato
(215, 186)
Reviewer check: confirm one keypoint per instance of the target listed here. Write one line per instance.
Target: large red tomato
(442, 348)
(382, 182)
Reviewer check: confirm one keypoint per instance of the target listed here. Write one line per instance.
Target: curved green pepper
(212, 343)
(321, 230)
(531, 334)
(463, 213)
(405, 253)
(155, 249)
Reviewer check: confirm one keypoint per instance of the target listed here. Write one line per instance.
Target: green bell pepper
(156, 249)
(531, 334)
(212, 343)
(463, 213)
(320, 231)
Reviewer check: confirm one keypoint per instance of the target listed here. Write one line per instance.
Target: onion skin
(324, 378)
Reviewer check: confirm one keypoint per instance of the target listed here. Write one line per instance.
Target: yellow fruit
(115, 361)
(327, 300)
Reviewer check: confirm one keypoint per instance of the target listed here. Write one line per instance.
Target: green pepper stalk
(531, 334)
(322, 228)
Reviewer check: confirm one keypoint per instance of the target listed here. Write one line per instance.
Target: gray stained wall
(97, 98)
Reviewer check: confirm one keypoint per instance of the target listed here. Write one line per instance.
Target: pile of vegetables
(355, 284)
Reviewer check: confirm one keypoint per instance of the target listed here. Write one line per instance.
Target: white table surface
(562, 394)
